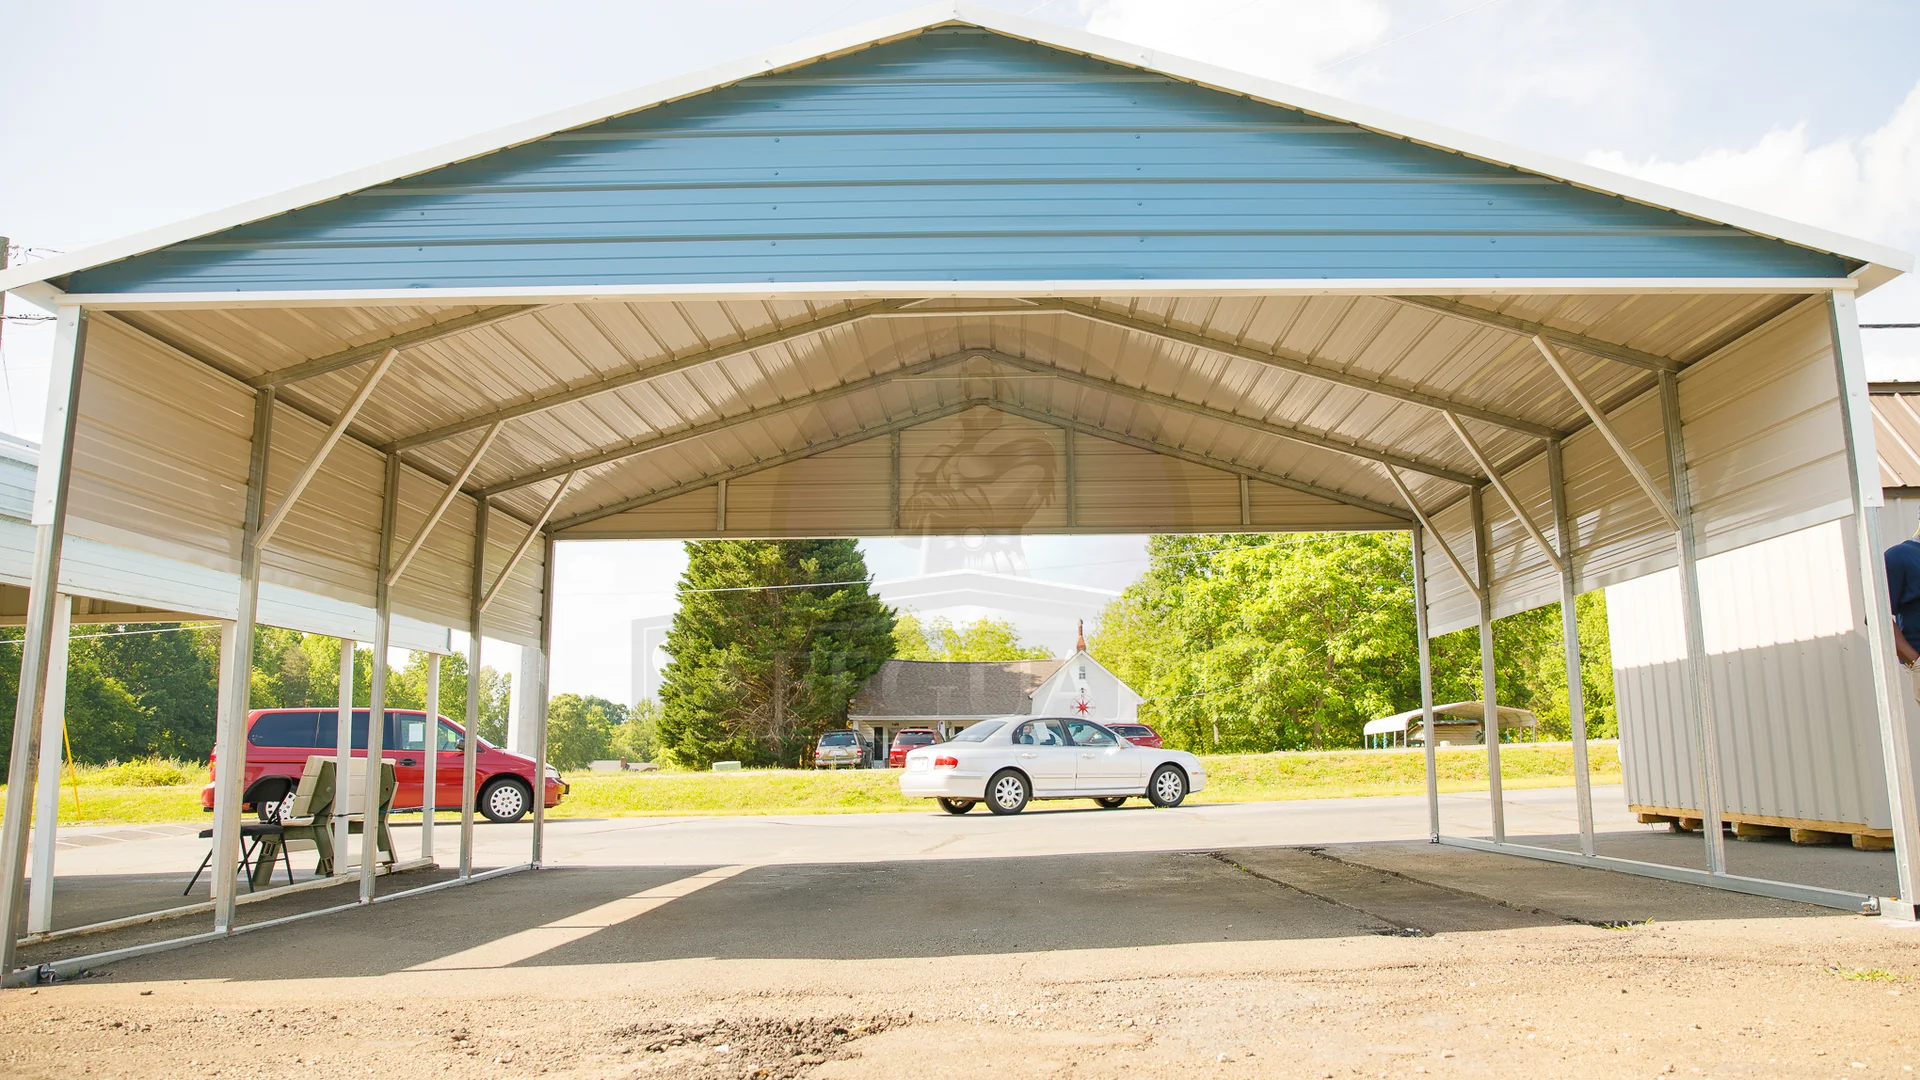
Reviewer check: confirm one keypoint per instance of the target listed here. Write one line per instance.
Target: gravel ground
(1523, 991)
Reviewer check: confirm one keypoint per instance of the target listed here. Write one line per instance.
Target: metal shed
(1788, 656)
(952, 271)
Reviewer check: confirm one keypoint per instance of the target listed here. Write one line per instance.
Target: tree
(1250, 643)
(580, 729)
(771, 640)
(983, 639)
(638, 739)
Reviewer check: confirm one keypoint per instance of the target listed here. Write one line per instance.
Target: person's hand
(1904, 648)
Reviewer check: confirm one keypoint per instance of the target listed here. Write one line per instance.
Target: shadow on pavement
(931, 909)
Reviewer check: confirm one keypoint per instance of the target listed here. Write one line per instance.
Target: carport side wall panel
(158, 492)
(436, 583)
(897, 162)
(1791, 686)
(1763, 451)
(160, 454)
(1119, 488)
(514, 615)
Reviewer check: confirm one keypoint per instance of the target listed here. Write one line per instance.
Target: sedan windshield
(980, 732)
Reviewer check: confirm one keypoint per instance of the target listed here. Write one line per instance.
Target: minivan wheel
(1168, 787)
(271, 802)
(955, 806)
(1007, 792)
(505, 801)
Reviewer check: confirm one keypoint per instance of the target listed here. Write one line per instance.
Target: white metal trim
(1858, 903)
(867, 289)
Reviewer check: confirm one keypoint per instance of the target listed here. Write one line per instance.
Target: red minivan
(279, 741)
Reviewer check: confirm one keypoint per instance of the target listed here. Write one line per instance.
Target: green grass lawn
(148, 792)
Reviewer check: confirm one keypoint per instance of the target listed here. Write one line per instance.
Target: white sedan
(1007, 762)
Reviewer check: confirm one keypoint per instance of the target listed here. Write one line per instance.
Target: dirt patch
(746, 1048)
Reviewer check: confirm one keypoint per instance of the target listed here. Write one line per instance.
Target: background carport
(948, 272)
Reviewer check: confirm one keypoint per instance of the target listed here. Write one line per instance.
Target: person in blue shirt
(1903, 588)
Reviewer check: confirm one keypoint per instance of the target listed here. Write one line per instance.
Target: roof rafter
(346, 358)
(639, 375)
(913, 419)
(1303, 364)
(1286, 360)
(1265, 427)
(658, 441)
(1525, 328)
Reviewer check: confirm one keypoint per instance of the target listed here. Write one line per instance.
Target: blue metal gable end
(957, 155)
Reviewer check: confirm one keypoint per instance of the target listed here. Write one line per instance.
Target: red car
(279, 742)
(909, 739)
(1137, 734)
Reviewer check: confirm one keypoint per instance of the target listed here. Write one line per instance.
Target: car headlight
(553, 773)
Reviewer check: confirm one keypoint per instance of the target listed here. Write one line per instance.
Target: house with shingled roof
(950, 696)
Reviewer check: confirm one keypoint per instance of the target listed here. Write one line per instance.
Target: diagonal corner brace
(1500, 485)
(1605, 428)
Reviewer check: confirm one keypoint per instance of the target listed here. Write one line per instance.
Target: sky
(119, 117)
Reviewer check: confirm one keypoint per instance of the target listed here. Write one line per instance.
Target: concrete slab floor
(1241, 962)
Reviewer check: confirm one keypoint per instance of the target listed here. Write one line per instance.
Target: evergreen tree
(771, 640)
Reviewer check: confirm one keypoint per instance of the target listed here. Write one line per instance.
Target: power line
(127, 633)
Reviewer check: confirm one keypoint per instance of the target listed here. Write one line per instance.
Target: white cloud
(1867, 187)
(1287, 40)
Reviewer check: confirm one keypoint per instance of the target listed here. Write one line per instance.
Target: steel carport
(956, 271)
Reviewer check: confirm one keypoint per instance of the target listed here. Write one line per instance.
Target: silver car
(837, 749)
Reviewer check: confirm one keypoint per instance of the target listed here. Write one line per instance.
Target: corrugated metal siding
(1765, 458)
(957, 155)
(1765, 449)
(160, 472)
(515, 613)
(982, 469)
(160, 454)
(1792, 691)
(1896, 434)
(19, 464)
(437, 583)
(840, 493)
(330, 542)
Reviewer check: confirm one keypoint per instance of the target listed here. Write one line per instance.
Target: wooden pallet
(1765, 827)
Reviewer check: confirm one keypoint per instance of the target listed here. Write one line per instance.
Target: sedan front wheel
(1007, 792)
(1168, 787)
(956, 806)
(1114, 803)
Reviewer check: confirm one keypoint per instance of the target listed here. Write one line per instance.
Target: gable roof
(935, 688)
(1876, 263)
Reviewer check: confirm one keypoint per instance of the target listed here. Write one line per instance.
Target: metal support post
(46, 811)
(1424, 643)
(343, 759)
(1893, 692)
(1073, 481)
(1489, 697)
(377, 705)
(469, 745)
(893, 477)
(430, 748)
(540, 707)
(50, 527)
(236, 675)
(1570, 633)
(1697, 687)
